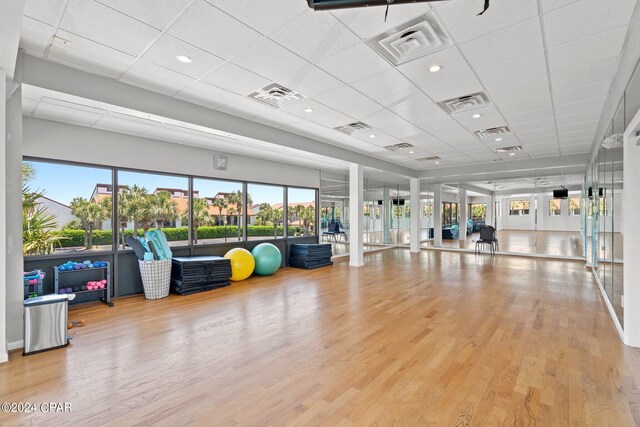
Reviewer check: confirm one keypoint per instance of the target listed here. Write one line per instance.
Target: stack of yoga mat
(199, 274)
(310, 256)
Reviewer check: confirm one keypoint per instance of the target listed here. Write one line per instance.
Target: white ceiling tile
(264, 16)
(549, 5)
(534, 125)
(589, 105)
(323, 36)
(206, 95)
(386, 87)
(216, 32)
(66, 114)
(589, 49)
(164, 52)
(355, 63)
(261, 59)
(518, 70)
(589, 116)
(156, 78)
(118, 123)
(504, 45)
(584, 127)
(520, 91)
(310, 81)
(29, 106)
(370, 22)
(585, 18)
(157, 13)
(490, 117)
(423, 140)
(99, 23)
(451, 61)
(47, 11)
(460, 85)
(530, 115)
(538, 103)
(415, 102)
(35, 36)
(594, 90)
(235, 79)
(246, 108)
(538, 134)
(321, 114)
(585, 74)
(90, 56)
(460, 17)
(349, 101)
(392, 124)
(382, 139)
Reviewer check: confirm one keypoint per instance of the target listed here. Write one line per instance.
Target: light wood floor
(441, 339)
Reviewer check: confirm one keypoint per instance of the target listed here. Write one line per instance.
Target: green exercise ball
(268, 259)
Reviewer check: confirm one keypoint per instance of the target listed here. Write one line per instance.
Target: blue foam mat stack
(310, 256)
(190, 275)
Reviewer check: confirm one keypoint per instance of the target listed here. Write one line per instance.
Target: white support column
(631, 249)
(414, 229)
(386, 215)
(13, 206)
(437, 215)
(3, 218)
(356, 215)
(488, 219)
(462, 235)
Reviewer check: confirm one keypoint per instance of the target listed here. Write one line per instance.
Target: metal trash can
(45, 323)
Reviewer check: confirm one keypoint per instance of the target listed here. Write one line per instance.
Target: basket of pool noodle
(154, 260)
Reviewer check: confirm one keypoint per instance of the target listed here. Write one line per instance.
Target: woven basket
(156, 278)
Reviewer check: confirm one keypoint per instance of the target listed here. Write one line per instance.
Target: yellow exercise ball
(242, 263)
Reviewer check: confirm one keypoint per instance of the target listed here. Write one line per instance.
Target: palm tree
(89, 214)
(264, 213)
(138, 207)
(124, 213)
(200, 216)
(275, 217)
(308, 217)
(220, 203)
(236, 198)
(163, 207)
(232, 212)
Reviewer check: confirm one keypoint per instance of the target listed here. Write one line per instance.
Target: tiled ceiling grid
(546, 66)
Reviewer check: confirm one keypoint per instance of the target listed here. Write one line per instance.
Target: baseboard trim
(515, 254)
(612, 312)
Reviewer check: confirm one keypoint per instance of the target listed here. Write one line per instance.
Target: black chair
(331, 231)
(487, 237)
(340, 232)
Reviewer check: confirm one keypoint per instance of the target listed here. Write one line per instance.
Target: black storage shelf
(58, 282)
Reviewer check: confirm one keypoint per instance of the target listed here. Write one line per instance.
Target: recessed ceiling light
(372, 136)
(498, 139)
(184, 59)
(512, 154)
(435, 68)
(411, 152)
(437, 163)
(477, 116)
(308, 110)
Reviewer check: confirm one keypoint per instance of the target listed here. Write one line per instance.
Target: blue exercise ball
(268, 259)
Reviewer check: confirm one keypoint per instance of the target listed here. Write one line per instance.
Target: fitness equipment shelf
(58, 282)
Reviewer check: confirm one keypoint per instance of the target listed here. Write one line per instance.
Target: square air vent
(276, 95)
(429, 159)
(487, 133)
(465, 103)
(352, 128)
(419, 37)
(511, 149)
(399, 147)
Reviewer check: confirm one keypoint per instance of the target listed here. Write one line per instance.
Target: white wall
(53, 140)
(62, 213)
(564, 222)
(3, 218)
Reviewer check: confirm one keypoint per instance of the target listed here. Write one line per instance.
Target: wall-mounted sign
(220, 162)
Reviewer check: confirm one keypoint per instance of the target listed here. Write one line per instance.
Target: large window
(555, 207)
(65, 208)
(217, 211)
(302, 212)
(478, 211)
(519, 207)
(449, 213)
(265, 211)
(152, 201)
(574, 206)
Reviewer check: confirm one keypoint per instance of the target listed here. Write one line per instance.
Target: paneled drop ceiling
(544, 68)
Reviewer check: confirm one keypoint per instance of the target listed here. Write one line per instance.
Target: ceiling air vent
(419, 37)
(429, 159)
(487, 133)
(352, 128)
(465, 103)
(276, 95)
(399, 147)
(613, 141)
(511, 149)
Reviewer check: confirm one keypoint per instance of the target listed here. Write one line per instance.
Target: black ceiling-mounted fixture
(346, 4)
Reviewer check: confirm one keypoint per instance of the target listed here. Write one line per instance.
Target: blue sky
(64, 182)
